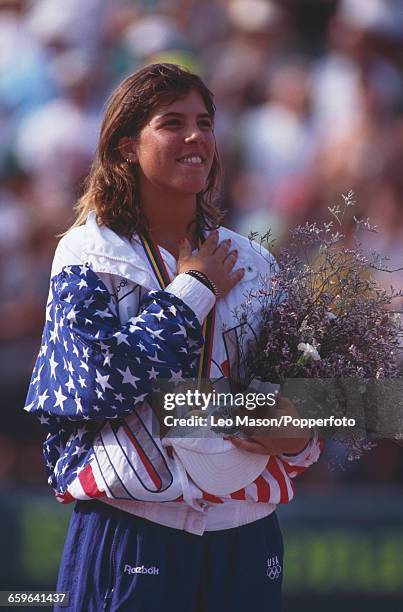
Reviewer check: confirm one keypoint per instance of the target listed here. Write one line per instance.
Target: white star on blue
(97, 369)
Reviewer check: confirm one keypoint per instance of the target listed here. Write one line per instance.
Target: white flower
(304, 325)
(397, 318)
(309, 351)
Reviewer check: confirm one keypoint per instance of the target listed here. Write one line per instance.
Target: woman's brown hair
(111, 187)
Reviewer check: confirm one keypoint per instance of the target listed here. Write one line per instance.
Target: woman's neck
(170, 222)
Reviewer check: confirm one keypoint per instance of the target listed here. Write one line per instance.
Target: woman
(143, 290)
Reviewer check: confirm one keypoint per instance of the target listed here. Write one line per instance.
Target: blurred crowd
(309, 97)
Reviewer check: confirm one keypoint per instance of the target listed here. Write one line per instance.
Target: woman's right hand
(213, 259)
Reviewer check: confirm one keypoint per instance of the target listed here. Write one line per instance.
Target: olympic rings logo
(274, 571)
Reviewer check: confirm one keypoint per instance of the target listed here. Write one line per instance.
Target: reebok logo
(140, 569)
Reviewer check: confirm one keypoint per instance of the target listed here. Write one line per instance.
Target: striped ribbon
(157, 263)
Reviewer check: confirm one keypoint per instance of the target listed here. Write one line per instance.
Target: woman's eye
(206, 124)
(172, 123)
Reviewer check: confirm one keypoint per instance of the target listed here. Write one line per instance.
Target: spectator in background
(357, 91)
(277, 141)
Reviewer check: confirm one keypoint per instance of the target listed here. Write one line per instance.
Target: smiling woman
(173, 155)
(143, 292)
(158, 121)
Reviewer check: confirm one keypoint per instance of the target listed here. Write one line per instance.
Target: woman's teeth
(191, 160)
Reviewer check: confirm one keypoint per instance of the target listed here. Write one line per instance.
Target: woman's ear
(128, 150)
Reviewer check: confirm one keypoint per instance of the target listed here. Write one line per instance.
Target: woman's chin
(190, 187)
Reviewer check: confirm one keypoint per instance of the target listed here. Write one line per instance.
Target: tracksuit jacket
(110, 335)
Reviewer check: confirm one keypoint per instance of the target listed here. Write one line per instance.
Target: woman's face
(175, 149)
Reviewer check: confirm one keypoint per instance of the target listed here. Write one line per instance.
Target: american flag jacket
(110, 334)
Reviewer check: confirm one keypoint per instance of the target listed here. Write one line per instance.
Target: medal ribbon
(157, 264)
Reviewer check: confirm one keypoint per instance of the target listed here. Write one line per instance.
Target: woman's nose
(193, 134)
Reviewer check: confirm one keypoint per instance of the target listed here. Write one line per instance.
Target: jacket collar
(110, 253)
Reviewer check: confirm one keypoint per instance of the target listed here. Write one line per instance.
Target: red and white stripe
(273, 486)
(84, 486)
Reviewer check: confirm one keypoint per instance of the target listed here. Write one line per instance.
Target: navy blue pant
(119, 562)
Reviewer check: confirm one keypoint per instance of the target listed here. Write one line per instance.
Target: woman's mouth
(191, 160)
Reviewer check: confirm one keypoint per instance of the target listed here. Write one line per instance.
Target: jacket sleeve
(298, 463)
(92, 367)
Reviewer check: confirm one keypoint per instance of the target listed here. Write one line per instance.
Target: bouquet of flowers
(325, 317)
